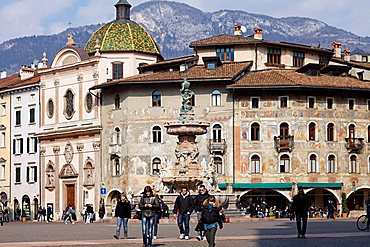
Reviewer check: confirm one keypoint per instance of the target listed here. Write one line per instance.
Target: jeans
(147, 229)
(211, 236)
(183, 220)
(156, 223)
(301, 218)
(121, 221)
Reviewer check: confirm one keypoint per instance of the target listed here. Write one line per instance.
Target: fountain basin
(182, 128)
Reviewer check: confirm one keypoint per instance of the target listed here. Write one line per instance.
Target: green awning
(257, 185)
(321, 185)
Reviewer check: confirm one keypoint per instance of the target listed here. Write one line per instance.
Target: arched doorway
(35, 208)
(320, 198)
(111, 202)
(356, 200)
(16, 206)
(26, 207)
(271, 197)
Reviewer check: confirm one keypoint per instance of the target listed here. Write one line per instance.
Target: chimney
(258, 33)
(3, 74)
(347, 55)
(26, 72)
(337, 49)
(238, 30)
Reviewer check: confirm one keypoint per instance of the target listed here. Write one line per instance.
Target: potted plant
(24, 217)
(345, 209)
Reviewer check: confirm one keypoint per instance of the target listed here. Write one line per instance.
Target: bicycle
(362, 222)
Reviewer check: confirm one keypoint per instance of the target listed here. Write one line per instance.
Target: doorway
(71, 195)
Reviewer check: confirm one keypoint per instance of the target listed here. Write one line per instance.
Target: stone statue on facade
(89, 176)
(187, 95)
(50, 179)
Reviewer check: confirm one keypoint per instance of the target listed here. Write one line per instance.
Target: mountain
(174, 25)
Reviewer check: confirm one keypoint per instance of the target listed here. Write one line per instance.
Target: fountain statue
(186, 170)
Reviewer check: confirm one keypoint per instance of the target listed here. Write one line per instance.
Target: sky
(21, 18)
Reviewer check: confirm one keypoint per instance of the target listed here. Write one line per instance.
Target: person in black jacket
(211, 218)
(198, 206)
(182, 211)
(123, 213)
(300, 206)
(148, 205)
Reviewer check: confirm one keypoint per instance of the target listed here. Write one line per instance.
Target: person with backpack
(101, 212)
(148, 205)
(123, 214)
(158, 214)
(212, 218)
(69, 215)
(198, 206)
(182, 211)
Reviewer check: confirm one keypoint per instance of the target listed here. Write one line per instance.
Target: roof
(290, 78)
(178, 60)
(15, 81)
(122, 35)
(225, 39)
(8, 81)
(228, 71)
(361, 65)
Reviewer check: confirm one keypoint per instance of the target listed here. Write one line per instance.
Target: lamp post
(354, 193)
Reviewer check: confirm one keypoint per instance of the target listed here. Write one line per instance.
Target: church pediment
(68, 171)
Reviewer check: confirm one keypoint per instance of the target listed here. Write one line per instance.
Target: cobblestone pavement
(250, 234)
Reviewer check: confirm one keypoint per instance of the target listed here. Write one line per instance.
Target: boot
(125, 235)
(116, 236)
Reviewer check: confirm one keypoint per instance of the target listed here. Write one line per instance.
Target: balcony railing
(355, 145)
(284, 143)
(217, 145)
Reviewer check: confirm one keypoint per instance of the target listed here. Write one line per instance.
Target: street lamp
(354, 193)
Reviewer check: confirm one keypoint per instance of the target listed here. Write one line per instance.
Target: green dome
(122, 35)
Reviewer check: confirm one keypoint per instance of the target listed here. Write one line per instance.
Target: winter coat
(367, 204)
(149, 211)
(300, 204)
(198, 201)
(123, 210)
(183, 204)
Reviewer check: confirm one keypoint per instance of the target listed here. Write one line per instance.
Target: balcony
(217, 145)
(355, 145)
(284, 143)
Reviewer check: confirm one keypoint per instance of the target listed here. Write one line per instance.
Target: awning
(321, 185)
(257, 185)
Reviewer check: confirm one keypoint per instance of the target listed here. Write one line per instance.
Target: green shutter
(35, 174)
(21, 145)
(14, 146)
(28, 174)
(35, 143)
(28, 144)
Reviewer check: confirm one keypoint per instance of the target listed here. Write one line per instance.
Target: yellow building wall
(5, 151)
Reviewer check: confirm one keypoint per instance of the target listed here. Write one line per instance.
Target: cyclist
(367, 204)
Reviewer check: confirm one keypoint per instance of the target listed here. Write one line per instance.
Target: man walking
(182, 210)
(300, 206)
(198, 206)
(367, 204)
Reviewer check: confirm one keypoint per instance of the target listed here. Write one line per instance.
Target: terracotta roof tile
(171, 61)
(198, 72)
(15, 81)
(291, 78)
(352, 63)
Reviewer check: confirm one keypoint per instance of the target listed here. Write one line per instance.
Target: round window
(89, 102)
(50, 108)
(69, 108)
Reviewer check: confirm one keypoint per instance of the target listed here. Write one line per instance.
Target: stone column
(42, 175)
(80, 188)
(98, 177)
(56, 150)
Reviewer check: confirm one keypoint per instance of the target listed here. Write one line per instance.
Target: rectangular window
(364, 59)
(117, 71)
(368, 104)
(331, 166)
(32, 115)
(255, 166)
(32, 96)
(3, 109)
(273, 55)
(351, 104)
(255, 103)
(31, 174)
(298, 59)
(323, 60)
(18, 174)
(3, 140)
(226, 54)
(2, 171)
(18, 146)
(31, 145)
(283, 102)
(329, 103)
(18, 117)
(311, 102)
(313, 166)
(284, 166)
(18, 99)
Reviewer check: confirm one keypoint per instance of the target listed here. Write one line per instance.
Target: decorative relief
(80, 77)
(56, 82)
(80, 147)
(68, 171)
(68, 153)
(42, 151)
(56, 149)
(96, 75)
(96, 145)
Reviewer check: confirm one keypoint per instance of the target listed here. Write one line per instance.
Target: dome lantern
(122, 10)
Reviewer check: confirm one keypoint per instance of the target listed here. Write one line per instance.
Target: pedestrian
(6, 214)
(198, 207)
(182, 211)
(148, 205)
(331, 209)
(211, 217)
(123, 213)
(300, 207)
(18, 213)
(68, 215)
(89, 213)
(39, 214)
(158, 214)
(101, 212)
(49, 213)
(1, 215)
(44, 213)
(367, 204)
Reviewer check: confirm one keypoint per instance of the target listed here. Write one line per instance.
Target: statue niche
(88, 174)
(50, 176)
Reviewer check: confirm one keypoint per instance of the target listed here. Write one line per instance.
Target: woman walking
(123, 213)
(148, 205)
(211, 218)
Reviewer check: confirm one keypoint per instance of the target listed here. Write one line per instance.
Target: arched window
(331, 164)
(368, 133)
(69, 104)
(351, 131)
(117, 102)
(155, 166)
(157, 134)
(353, 164)
(284, 166)
(89, 102)
(218, 164)
(284, 130)
(313, 163)
(116, 164)
(192, 100)
(330, 132)
(255, 164)
(368, 165)
(255, 132)
(217, 133)
(156, 99)
(117, 136)
(311, 132)
(216, 98)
